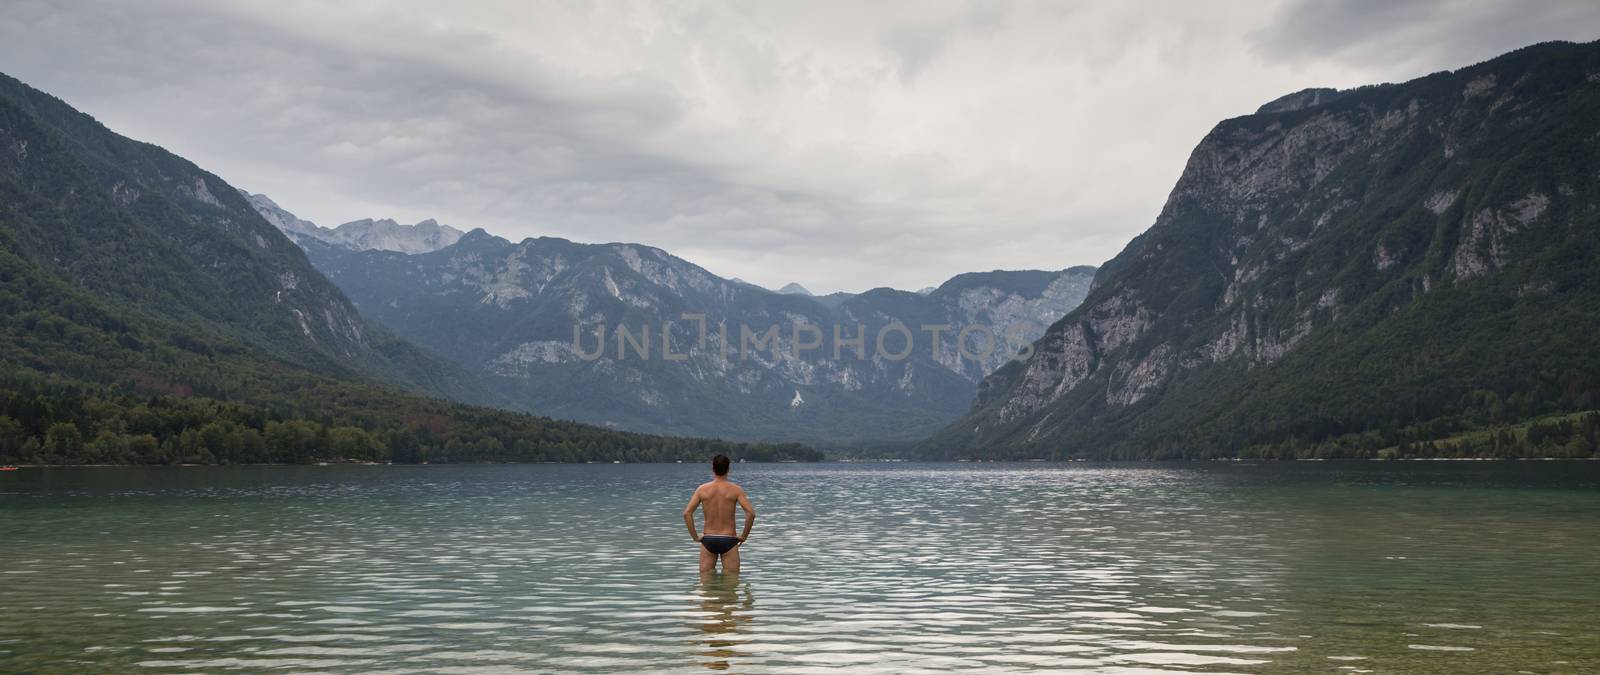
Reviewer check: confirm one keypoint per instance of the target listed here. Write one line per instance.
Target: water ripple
(1107, 569)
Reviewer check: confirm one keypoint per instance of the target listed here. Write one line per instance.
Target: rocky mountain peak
(366, 234)
(285, 221)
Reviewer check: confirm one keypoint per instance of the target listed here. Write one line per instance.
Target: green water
(1403, 567)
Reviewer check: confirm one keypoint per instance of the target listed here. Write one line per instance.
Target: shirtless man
(718, 498)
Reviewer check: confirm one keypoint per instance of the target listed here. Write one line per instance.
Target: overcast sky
(841, 145)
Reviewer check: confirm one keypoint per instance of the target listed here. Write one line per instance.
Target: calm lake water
(1408, 567)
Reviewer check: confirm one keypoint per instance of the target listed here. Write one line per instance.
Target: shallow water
(1413, 567)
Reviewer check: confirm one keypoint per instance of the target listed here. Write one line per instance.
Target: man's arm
(688, 515)
(749, 515)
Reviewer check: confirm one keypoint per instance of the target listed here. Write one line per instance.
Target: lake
(1441, 567)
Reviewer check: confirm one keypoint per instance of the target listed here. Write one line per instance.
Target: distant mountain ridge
(1344, 274)
(366, 234)
(507, 311)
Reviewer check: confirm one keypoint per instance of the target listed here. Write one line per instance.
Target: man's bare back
(718, 499)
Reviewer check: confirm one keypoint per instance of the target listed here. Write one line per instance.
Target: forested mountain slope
(148, 313)
(1341, 274)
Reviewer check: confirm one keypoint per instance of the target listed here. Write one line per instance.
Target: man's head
(719, 465)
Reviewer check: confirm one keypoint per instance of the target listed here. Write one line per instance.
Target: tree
(63, 443)
(352, 443)
(214, 437)
(144, 448)
(11, 439)
(250, 446)
(107, 447)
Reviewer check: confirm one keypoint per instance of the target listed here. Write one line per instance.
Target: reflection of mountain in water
(724, 610)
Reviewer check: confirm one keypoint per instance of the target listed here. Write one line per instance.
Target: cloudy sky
(841, 145)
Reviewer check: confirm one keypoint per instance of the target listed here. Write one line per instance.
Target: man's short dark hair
(719, 465)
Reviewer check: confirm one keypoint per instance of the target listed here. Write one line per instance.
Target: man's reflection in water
(726, 606)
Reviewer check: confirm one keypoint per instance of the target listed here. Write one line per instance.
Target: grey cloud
(1425, 35)
(841, 145)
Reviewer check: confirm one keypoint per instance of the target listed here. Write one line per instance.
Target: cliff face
(1337, 271)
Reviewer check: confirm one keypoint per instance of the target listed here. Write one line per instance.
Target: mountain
(1346, 274)
(510, 312)
(794, 289)
(833, 300)
(387, 235)
(359, 235)
(137, 227)
(288, 223)
(150, 313)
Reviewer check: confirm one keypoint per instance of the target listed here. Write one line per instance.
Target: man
(718, 497)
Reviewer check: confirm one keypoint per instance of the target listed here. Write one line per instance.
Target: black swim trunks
(719, 544)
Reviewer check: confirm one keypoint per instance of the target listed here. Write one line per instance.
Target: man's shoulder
(723, 486)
